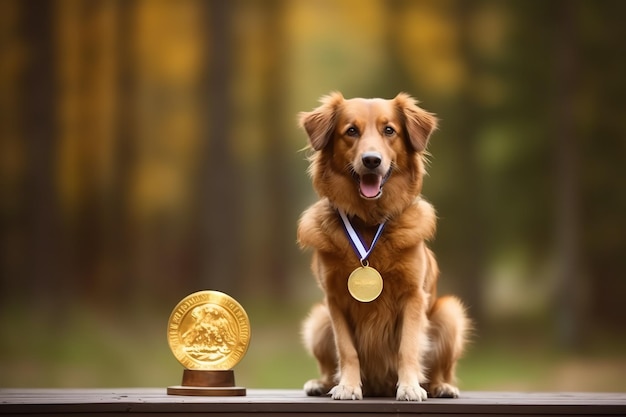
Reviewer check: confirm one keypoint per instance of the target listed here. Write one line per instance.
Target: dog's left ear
(418, 123)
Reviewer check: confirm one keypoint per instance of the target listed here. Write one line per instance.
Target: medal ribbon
(356, 240)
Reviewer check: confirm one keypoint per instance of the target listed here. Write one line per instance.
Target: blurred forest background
(149, 149)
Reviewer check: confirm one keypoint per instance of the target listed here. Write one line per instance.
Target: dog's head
(368, 152)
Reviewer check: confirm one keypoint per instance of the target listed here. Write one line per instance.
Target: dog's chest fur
(401, 247)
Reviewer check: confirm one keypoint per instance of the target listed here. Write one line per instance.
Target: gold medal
(365, 284)
(208, 330)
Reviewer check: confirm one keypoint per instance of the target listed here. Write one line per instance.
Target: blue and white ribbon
(356, 240)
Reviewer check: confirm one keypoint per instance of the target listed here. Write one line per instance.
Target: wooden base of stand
(207, 383)
(207, 391)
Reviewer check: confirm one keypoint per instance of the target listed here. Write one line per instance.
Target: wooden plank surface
(121, 401)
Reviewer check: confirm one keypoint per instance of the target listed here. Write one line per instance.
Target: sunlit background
(149, 149)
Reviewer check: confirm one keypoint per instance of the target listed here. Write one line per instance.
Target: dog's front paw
(346, 392)
(316, 388)
(444, 390)
(411, 393)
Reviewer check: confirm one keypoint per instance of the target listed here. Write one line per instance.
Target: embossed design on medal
(208, 330)
(211, 336)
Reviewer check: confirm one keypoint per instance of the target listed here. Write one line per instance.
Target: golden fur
(407, 337)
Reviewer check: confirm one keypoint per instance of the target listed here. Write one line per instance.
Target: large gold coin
(208, 330)
(365, 284)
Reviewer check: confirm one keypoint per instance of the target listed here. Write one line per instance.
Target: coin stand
(208, 333)
(207, 383)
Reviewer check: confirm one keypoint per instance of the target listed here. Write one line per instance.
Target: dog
(368, 161)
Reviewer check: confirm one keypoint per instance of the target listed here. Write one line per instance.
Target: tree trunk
(570, 274)
(220, 213)
(41, 215)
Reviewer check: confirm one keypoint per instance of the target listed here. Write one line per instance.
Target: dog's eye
(389, 131)
(352, 131)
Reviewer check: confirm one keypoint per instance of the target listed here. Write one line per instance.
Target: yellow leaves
(429, 39)
(168, 53)
(169, 39)
(336, 45)
(98, 117)
(442, 41)
(86, 39)
(157, 189)
(131, 93)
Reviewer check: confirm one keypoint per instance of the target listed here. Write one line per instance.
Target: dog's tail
(449, 330)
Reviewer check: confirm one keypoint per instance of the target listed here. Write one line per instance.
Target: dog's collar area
(356, 240)
(371, 185)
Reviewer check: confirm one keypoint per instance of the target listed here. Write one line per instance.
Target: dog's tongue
(370, 185)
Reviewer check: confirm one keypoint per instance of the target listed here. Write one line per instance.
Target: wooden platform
(122, 401)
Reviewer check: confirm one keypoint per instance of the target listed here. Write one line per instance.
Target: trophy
(208, 332)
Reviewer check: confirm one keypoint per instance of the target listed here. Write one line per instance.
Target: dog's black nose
(371, 160)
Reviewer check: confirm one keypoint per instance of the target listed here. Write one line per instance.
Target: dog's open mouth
(371, 185)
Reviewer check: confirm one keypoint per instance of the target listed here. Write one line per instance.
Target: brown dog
(368, 162)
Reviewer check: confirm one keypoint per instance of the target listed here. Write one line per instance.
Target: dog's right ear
(319, 124)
